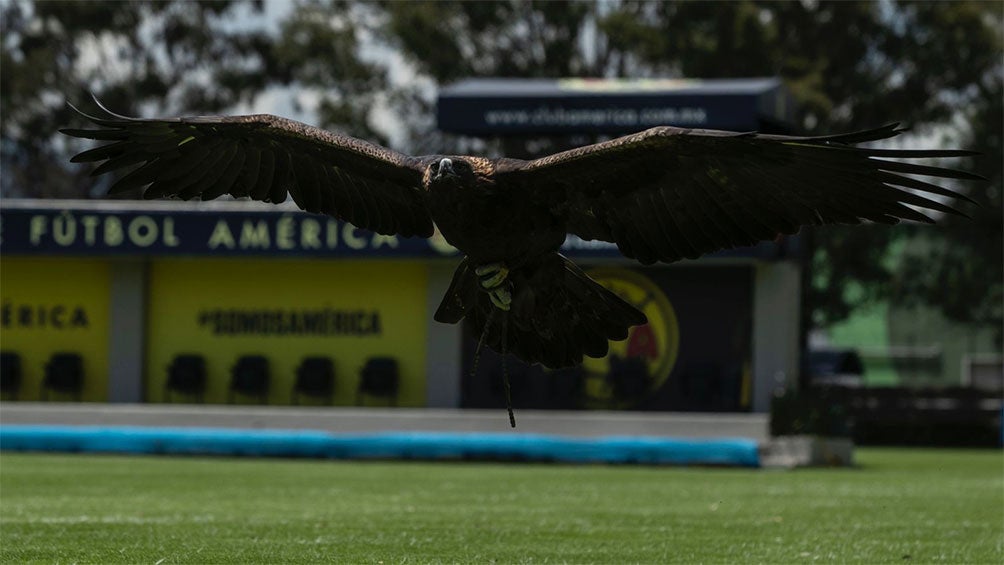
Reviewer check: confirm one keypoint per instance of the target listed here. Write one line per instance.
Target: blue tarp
(386, 445)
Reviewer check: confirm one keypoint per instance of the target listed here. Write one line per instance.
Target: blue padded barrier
(385, 445)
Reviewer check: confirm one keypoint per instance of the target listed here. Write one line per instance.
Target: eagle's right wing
(263, 157)
(669, 193)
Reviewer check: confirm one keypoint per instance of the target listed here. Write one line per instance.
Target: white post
(127, 330)
(776, 306)
(443, 363)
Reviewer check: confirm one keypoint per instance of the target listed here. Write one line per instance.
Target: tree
(959, 267)
(162, 57)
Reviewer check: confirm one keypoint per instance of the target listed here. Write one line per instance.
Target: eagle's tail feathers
(558, 313)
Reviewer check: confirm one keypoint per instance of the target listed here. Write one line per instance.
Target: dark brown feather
(719, 190)
(659, 195)
(263, 157)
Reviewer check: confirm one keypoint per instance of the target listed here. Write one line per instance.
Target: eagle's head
(459, 172)
(452, 171)
(448, 170)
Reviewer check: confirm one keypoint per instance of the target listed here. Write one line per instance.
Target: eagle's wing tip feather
(81, 112)
(104, 121)
(72, 107)
(109, 112)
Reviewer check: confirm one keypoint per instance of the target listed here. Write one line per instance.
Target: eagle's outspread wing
(669, 193)
(263, 157)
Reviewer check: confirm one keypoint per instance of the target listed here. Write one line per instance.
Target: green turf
(901, 506)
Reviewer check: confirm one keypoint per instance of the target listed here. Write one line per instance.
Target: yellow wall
(186, 297)
(51, 305)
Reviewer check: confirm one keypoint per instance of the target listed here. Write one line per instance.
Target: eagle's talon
(494, 278)
(488, 268)
(501, 297)
(492, 275)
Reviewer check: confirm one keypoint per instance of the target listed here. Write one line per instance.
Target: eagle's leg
(495, 281)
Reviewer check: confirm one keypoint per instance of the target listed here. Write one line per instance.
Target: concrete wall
(128, 333)
(775, 333)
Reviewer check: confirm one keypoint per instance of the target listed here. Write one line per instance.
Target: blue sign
(118, 228)
(161, 230)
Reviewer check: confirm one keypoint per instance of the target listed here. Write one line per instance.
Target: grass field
(901, 506)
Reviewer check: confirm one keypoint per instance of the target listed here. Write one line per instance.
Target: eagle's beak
(445, 168)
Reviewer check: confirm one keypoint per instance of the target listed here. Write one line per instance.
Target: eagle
(661, 195)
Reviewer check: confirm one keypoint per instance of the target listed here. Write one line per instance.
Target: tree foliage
(934, 65)
(161, 56)
(959, 266)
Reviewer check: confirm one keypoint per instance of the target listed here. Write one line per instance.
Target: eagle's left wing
(263, 157)
(669, 193)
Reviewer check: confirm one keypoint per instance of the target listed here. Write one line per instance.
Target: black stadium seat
(10, 374)
(315, 377)
(249, 377)
(186, 375)
(628, 376)
(566, 388)
(379, 377)
(64, 373)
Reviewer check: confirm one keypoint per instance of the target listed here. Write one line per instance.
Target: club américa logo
(635, 367)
